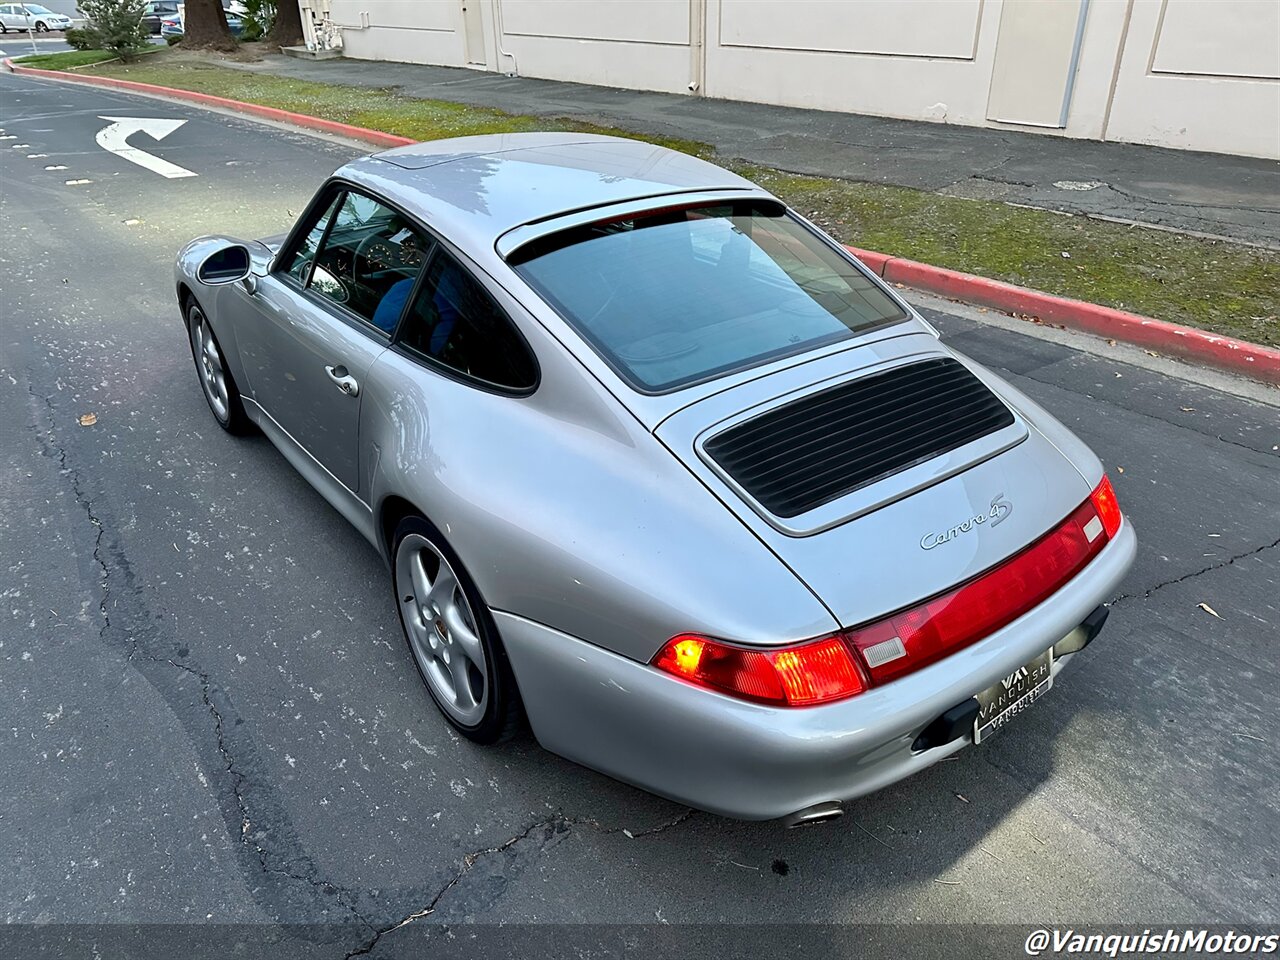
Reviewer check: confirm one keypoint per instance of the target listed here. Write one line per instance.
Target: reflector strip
(883, 652)
(966, 614)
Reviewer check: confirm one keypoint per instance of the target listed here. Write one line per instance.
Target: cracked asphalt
(207, 713)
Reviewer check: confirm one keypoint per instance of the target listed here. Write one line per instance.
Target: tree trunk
(287, 29)
(204, 26)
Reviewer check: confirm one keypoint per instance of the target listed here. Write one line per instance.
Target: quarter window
(454, 322)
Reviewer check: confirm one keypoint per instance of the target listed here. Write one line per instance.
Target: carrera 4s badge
(1000, 509)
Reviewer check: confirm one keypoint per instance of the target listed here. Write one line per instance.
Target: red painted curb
(375, 137)
(1211, 349)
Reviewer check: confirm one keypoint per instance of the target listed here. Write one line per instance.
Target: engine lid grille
(828, 444)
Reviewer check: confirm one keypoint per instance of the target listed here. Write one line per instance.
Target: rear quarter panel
(566, 511)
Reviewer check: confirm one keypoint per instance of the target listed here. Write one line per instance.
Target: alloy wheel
(213, 374)
(442, 630)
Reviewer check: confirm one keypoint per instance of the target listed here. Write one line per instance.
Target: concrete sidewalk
(1215, 194)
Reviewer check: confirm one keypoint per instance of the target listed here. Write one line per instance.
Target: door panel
(325, 316)
(286, 343)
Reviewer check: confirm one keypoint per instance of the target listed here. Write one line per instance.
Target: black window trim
(335, 186)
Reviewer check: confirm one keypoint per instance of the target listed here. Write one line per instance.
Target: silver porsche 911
(657, 464)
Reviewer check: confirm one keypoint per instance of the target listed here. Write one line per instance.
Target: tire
(41, 27)
(448, 629)
(216, 383)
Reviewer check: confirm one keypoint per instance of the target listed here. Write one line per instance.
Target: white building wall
(1193, 74)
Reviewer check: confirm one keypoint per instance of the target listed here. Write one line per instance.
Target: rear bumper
(756, 762)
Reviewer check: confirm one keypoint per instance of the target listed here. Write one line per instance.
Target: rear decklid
(881, 477)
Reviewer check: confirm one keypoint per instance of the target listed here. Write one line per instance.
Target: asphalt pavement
(207, 712)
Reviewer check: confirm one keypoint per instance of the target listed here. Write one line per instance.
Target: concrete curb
(1224, 353)
(375, 137)
(1211, 349)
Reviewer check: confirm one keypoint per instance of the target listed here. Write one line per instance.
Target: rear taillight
(843, 665)
(920, 635)
(1103, 499)
(803, 675)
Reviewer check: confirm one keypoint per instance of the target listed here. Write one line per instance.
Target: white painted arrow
(115, 138)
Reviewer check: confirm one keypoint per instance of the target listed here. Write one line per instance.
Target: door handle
(343, 380)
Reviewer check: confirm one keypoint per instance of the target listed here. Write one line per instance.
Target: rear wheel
(452, 637)
(215, 379)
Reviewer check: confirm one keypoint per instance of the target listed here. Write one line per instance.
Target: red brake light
(810, 673)
(918, 636)
(840, 666)
(1103, 499)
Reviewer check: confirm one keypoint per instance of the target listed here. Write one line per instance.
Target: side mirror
(227, 265)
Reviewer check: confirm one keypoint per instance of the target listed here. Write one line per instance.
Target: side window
(456, 323)
(300, 266)
(369, 260)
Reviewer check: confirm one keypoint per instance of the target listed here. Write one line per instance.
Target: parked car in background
(172, 26)
(156, 12)
(31, 16)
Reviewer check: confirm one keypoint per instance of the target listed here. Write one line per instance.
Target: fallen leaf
(1110, 342)
(1209, 610)
(87, 419)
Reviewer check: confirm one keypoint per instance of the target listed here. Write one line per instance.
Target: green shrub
(259, 15)
(78, 39)
(173, 40)
(115, 25)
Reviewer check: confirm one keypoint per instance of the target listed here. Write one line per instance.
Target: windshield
(37, 9)
(677, 296)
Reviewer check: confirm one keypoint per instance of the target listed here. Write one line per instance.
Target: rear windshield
(677, 296)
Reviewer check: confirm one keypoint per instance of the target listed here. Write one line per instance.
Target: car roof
(474, 189)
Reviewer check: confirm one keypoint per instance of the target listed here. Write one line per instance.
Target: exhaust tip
(818, 813)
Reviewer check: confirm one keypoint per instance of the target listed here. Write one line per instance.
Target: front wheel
(215, 379)
(452, 636)
(42, 27)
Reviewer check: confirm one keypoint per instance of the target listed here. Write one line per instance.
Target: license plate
(1001, 702)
